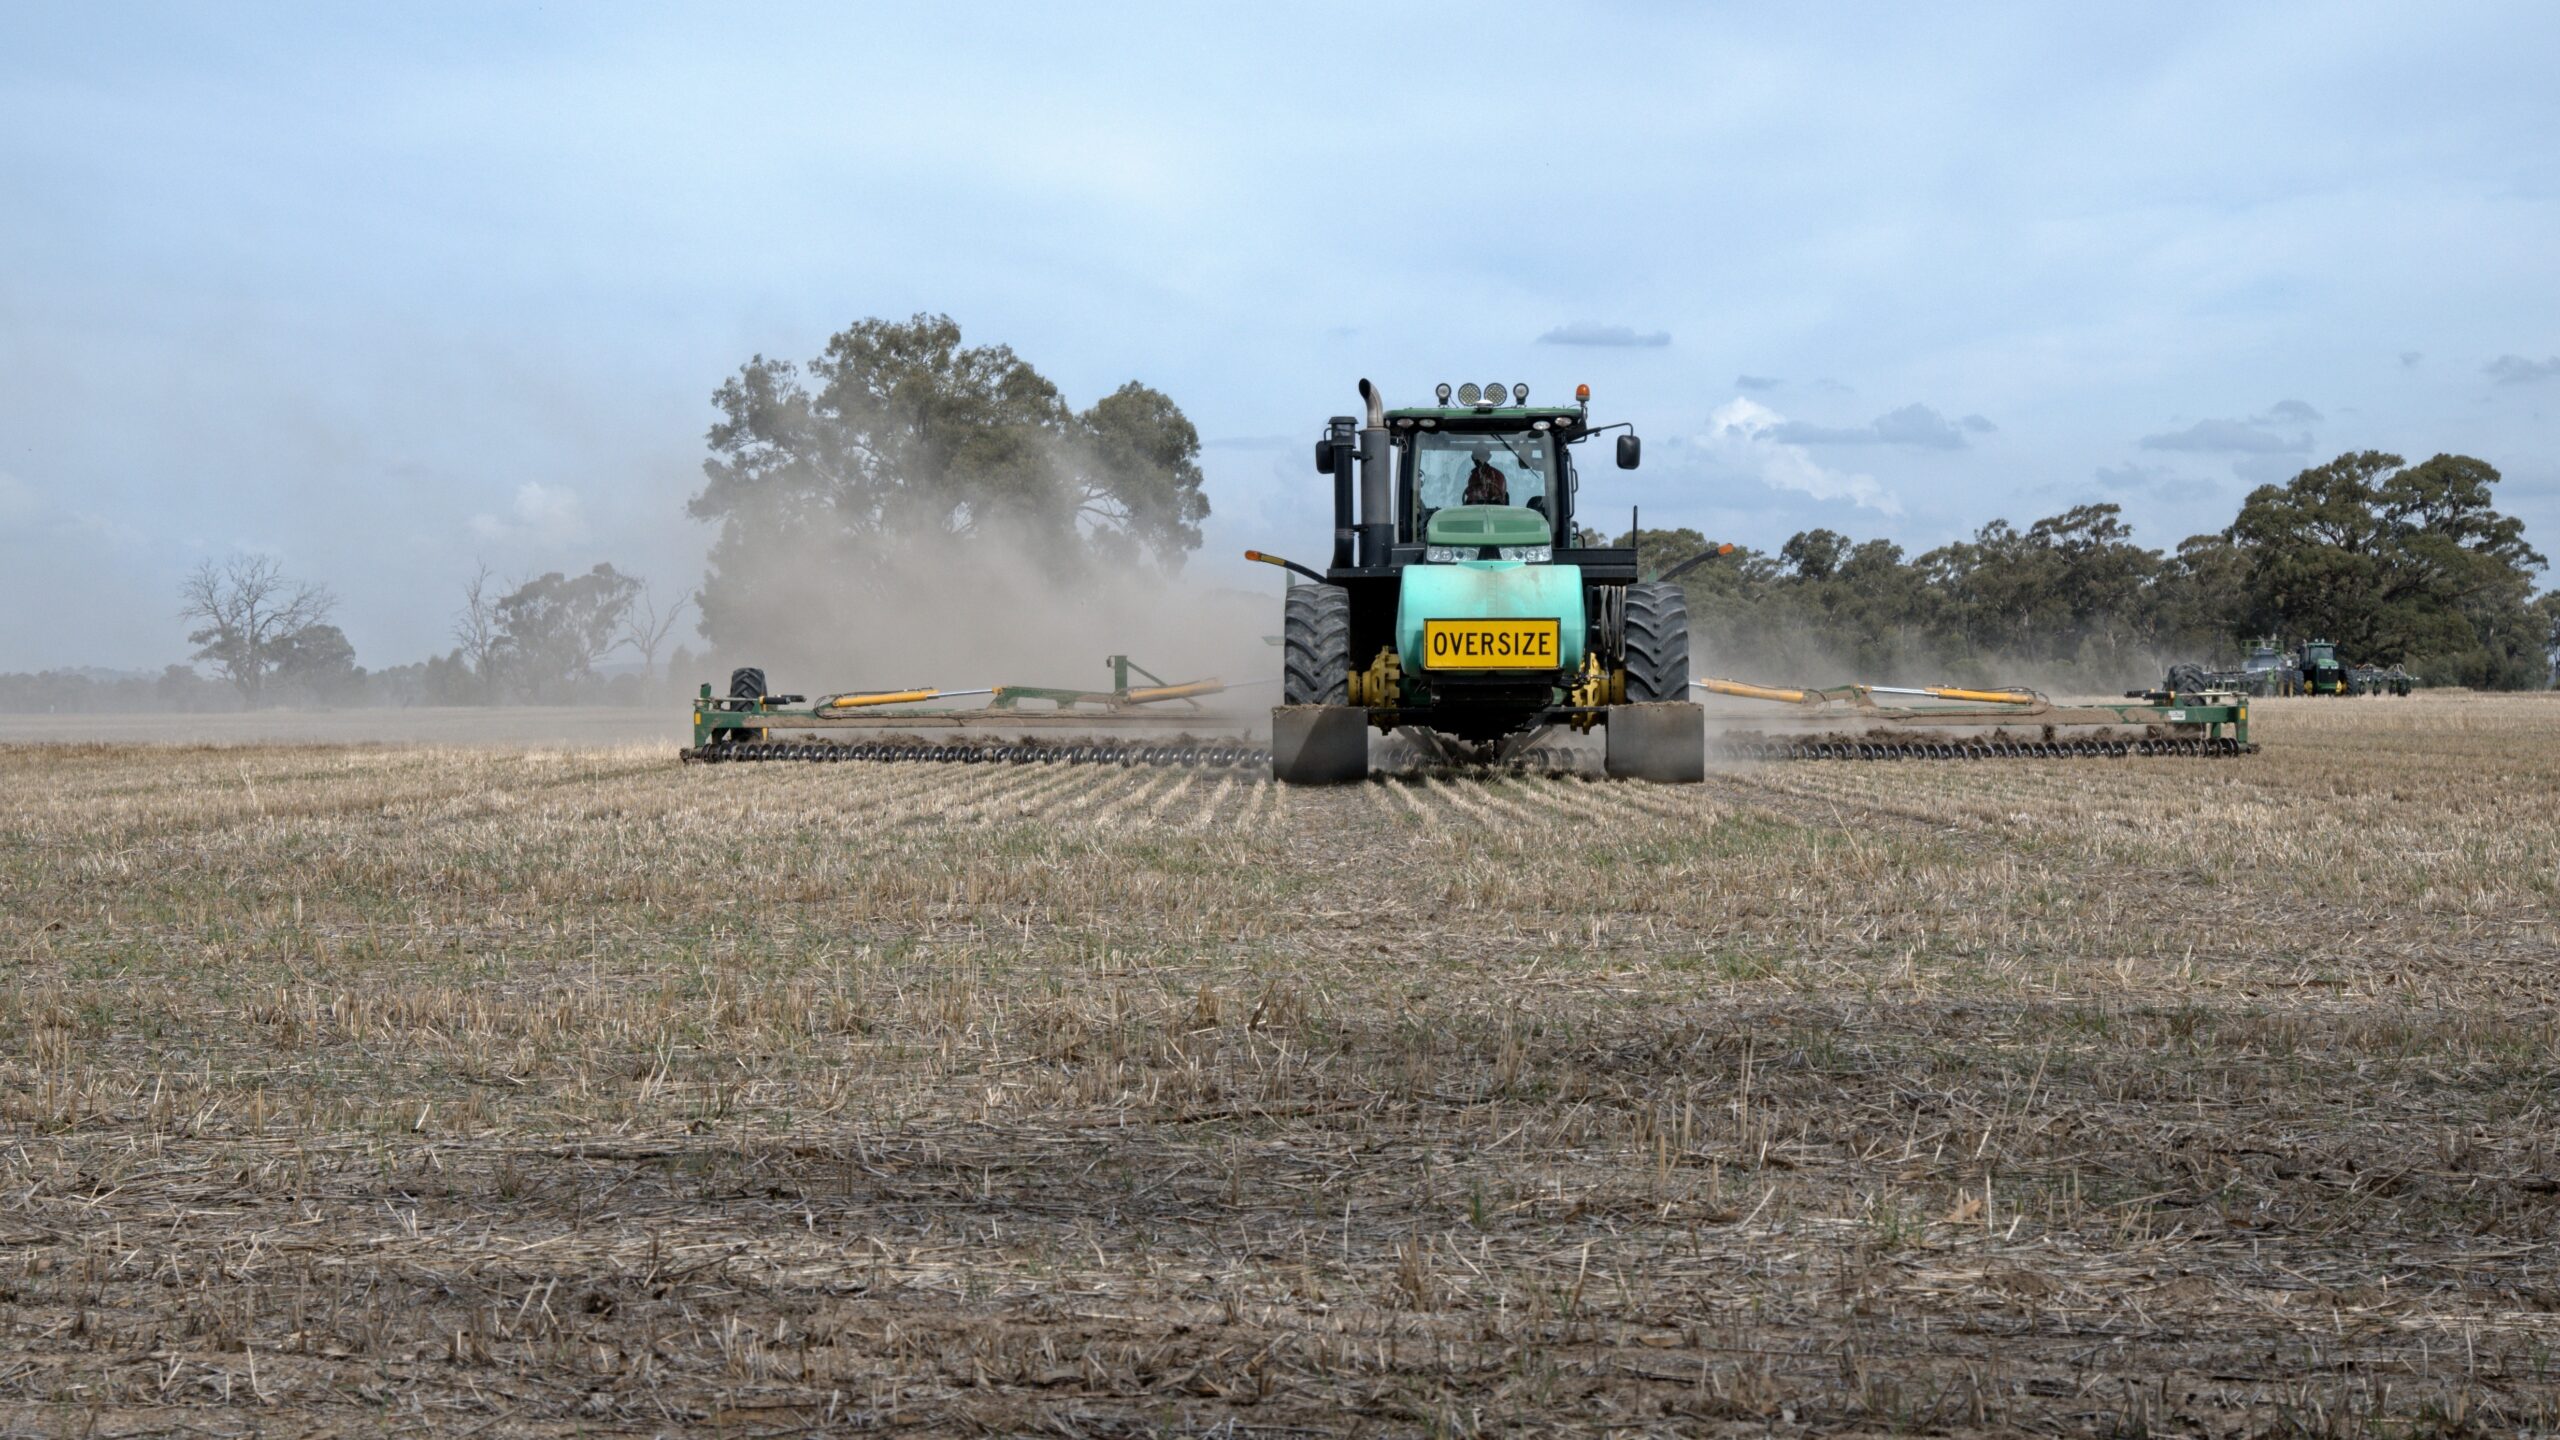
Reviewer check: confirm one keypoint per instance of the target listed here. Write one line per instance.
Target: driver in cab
(1485, 484)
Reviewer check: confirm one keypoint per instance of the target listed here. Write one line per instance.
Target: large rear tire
(1315, 644)
(1657, 644)
(747, 683)
(2186, 679)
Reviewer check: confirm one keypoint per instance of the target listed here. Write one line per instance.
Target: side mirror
(1324, 456)
(1630, 452)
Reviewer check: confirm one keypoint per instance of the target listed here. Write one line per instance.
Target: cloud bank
(2517, 370)
(1916, 426)
(541, 514)
(2226, 437)
(1744, 435)
(1590, 332)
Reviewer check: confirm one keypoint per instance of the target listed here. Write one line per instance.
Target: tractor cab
(1515, 481)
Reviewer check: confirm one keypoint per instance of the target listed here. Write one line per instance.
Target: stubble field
(438, 1090)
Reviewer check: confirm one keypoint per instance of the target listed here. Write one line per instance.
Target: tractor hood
(1500, 590)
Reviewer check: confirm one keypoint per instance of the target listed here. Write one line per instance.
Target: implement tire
(1657, 644)
(1315, 646)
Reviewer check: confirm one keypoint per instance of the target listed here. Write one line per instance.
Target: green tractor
(2323, 673)
(1459, 608)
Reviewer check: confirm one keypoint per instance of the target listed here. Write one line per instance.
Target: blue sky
(384, 291)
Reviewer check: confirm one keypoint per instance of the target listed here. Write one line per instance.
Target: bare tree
(246, 609)
(645, 629)
(477, 631)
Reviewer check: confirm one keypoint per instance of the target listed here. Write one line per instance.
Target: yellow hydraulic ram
(1948, 692)
(892, 697)
(1757, 692)
(1151, 694)
(1860, 693)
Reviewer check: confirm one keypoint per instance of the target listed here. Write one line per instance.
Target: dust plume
(990, 608)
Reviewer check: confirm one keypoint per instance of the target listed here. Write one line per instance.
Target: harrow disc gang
(1892, 748)
(1210, 756)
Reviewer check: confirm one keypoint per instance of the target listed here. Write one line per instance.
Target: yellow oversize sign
(1489, 645)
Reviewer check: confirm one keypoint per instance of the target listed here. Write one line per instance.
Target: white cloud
(2517, 370)
(1744, 435)
(2232, 437)
(544, 514)
(1914, 425)
(1592, 332)
(19, 501)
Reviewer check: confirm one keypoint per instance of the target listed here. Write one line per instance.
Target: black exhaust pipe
(1377, 460)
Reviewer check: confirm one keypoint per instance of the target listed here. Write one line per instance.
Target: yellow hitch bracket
(1380, 685)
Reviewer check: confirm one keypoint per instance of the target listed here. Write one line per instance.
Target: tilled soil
(515, 1093)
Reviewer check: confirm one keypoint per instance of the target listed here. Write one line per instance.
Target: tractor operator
(1485, 484)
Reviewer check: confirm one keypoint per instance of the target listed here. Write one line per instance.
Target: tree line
(2400, 564)
(263, 637)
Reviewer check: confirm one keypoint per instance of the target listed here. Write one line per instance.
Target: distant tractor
(1459, 606)
(2269, 670)
(2323, 673)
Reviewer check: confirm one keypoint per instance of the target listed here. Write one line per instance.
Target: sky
(390, 292)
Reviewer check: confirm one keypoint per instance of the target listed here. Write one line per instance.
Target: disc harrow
(1208, 756)
(1903, 748)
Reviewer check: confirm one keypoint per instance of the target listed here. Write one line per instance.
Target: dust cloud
(994, 610)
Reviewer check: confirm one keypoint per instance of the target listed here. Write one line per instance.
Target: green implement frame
(740, 719)
(2217, 718)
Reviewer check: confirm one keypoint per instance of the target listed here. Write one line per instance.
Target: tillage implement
(1458, 609)
(1013, 724)
(1848, 722)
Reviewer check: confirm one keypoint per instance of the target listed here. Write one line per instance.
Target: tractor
(2323, 673)
(2269, 670)
(1459, 606)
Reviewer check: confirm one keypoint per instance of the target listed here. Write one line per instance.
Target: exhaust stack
(1377, 460)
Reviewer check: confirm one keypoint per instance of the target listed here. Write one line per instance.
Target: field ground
(516, 726)
(491, 1092)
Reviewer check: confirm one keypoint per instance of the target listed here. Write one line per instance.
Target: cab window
(1514, 468)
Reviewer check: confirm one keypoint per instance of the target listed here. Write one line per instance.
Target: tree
(246, 609)
(902, 439)
(1814, 554)
(2204, 598)
(645, 628)
(554, 628)
(1137, 475)
(2399, 564)
(480, 643)
(2546, 614)
(319, 662)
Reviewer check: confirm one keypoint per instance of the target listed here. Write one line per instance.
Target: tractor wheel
(747, 683)
(2186, 679)
(1657, 644)
(1315, 645)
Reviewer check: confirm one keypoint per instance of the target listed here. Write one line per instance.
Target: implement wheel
(1657, 644)
(1315, 645)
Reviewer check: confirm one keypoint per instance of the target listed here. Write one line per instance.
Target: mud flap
(1666, 744)
(1321, 744)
